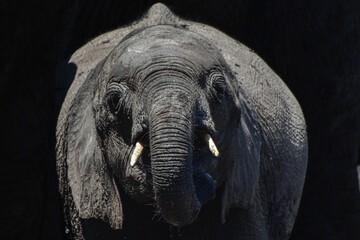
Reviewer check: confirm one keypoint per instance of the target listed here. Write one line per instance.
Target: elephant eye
(219, 87)
(115, 97)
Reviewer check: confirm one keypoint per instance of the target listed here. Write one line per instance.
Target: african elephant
(172, 128)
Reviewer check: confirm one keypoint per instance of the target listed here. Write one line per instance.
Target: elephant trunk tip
(172, 213)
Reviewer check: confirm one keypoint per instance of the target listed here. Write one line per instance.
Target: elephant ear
(240, 186)
(90, 184)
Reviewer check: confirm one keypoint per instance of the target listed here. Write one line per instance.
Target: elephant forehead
(167, 45)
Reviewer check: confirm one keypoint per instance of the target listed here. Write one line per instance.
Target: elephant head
(164, 117)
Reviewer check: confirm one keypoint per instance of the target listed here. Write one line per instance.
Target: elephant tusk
(136, 153)
(212, 146)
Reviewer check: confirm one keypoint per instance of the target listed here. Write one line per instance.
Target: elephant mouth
(204, 163)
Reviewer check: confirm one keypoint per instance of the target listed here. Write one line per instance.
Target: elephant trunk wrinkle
(171, 148)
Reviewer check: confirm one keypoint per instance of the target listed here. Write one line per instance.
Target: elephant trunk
(171, 146)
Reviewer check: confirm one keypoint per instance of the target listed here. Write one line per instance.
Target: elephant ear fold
(239, 189)
(89, 179)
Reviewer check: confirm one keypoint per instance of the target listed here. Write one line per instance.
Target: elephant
(172, 128)
(312, 45)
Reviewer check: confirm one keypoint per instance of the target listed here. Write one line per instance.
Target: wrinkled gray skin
(167, 83)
